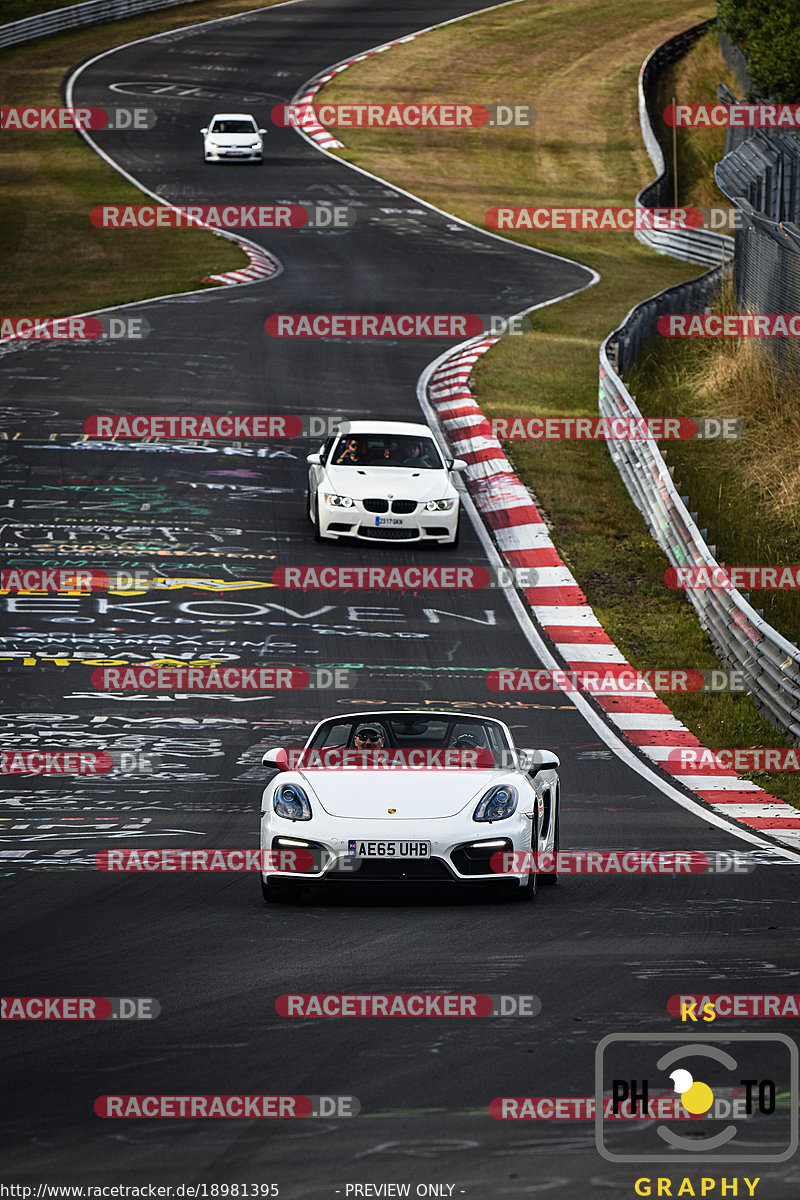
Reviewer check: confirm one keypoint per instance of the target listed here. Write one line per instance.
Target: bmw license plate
(359, 849)
(388, 521)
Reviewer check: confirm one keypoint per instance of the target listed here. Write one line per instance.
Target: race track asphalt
(603, 954)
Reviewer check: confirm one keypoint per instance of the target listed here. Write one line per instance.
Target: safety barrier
(75, 16)
(770, 664)
(693, 245)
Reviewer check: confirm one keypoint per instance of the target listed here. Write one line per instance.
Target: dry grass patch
(746, 491)
(584, 150)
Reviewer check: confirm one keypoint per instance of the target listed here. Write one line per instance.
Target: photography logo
(739, 1092)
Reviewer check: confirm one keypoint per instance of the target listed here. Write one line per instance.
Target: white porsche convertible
(408, 796)
(385, 481)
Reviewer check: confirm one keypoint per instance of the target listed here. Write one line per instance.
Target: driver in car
(369, 737)
(418, 456)
(414, 458)
(473, 740)
(469, 741)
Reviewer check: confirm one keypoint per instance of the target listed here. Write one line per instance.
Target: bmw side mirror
(276, 757)
(457, 464)
(314, 459)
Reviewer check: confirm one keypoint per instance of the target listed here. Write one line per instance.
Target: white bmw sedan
(405, 797)
(383, 481)
(233, 136)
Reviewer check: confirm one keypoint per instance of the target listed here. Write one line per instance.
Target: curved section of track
(594, 949)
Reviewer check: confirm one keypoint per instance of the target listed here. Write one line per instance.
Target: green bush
(768, 31)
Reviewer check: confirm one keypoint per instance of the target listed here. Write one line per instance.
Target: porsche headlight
(497, 803)
(290, 801)
(338, 501)
(439, 505)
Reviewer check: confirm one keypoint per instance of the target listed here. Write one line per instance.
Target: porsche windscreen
(415, 733)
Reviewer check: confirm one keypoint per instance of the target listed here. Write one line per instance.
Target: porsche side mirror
(541, 760)
(276, 757)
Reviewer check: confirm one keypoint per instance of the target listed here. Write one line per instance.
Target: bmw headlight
(290, 801)
(497, 803)
(439, 505)
(338, 501)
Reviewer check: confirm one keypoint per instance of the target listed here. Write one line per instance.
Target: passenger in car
(351, 455)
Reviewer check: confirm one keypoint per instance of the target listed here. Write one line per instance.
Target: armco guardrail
(76, 15)
(692, 245)
(769, 662)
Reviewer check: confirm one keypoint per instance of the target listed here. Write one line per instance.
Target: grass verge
(577, 61)
(54, 261)
(693, 79)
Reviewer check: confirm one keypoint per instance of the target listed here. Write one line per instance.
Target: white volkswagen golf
(384, 481)
(233, 136)
(408, 796)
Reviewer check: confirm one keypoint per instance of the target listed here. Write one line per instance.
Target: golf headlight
(497, 803)
(256, 146)
(290, 801)
(338, 501)
(439, 505)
